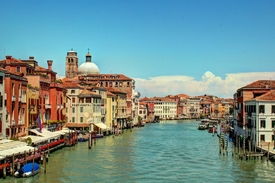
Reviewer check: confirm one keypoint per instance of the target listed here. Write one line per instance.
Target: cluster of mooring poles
(240, 146)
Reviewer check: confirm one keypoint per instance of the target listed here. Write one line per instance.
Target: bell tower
(71, 64)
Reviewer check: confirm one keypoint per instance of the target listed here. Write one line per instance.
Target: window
(72, 91)
(88, 100)
(81, 109)
(273, 109)
(73, 119)
(1, 79)
(73, 110)
(261, 109)
(272, 138)
(273, 123)
(262, 138)
(262, 123)
(81, 100)
(73, 100)
(81, 119)
(17, 69)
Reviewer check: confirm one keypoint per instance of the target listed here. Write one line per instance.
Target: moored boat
(201, 126)
(27, 170)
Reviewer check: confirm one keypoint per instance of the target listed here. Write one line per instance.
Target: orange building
(50, 104)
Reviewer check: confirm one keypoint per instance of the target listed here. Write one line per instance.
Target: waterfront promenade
(174, 151)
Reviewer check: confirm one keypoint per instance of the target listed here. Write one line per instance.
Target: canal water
(170, 151)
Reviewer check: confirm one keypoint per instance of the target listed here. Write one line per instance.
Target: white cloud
(209, 84)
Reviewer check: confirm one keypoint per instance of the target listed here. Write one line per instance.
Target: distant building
(71, 64)
(193, 108)
(165, 108)
(122, 87)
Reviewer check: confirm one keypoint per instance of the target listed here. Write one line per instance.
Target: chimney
(8, 59)
(50, 63)
(31, 57)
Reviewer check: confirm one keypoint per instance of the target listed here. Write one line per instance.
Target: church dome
(88, 67)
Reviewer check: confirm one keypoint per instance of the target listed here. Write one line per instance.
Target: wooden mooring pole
(5, 169)
(268, 151)
(44, 161)
(90, 140)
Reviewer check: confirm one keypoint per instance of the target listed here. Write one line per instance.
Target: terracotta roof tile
(261, 84)
(267, 96)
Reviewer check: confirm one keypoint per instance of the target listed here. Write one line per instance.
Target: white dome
(88, 68)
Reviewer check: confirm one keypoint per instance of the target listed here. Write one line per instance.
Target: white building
(165, 108)
(260, 119)
(193, 108)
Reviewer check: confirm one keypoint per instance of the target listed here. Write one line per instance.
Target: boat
(99, 135)
(27, 170)
(201, 126)
(212, 129)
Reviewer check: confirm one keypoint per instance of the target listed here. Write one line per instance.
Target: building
(248, 92)
(3, 124)
(193, 108)
(165, 108)
(71, 64)
(15, 86)
(51, 101)
(260, 119)
(88, 75)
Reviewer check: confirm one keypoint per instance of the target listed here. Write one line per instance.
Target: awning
(101, 125)
(35, 139)
(45, 133)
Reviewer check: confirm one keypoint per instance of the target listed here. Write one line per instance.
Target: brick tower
(71, 64)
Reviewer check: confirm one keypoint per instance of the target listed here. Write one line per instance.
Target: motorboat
(201, 126)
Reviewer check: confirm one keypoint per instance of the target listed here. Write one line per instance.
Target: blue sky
(168, 46)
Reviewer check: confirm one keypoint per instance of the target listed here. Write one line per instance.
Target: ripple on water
(167, 152)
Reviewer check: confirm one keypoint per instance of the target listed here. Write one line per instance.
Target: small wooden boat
(27, 170)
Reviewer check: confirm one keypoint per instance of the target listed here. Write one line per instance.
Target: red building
(15, 101)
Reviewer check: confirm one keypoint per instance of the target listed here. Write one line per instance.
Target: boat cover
(28, 167)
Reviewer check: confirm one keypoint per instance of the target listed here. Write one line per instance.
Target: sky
(194, 47)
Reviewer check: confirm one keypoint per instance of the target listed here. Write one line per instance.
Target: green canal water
(170, 151)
